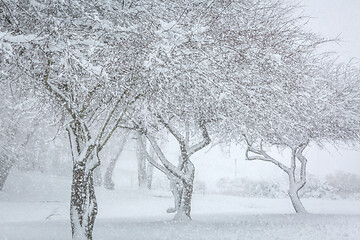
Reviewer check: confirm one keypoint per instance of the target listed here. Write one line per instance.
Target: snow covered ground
(35, 206)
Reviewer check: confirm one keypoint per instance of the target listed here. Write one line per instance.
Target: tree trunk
(83, 204)
(184, 211)
(294, 184)
(294, 197)
(98, 177)
(149, 175)
(108, 182)
(141, 158)
(181, 177)
(150, 169)
(5, 166)
(176, 187)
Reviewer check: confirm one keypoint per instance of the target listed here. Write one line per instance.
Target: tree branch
(168, 165)
(263, 156)
(206, 140)
(151, 160)
(57, 93)
(172, 130)
(303, 161)
(117, 122)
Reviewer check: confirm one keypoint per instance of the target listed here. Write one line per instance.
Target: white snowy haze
(118, 127)
(335, 18)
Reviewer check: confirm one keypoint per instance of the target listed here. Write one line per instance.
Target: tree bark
(83, 204)
(149, 167)
(297, 183)
(149, 175)
(5, 167)
(177, 191)
(184, 210)
(108, 182)
(294, 197)
(141, 158)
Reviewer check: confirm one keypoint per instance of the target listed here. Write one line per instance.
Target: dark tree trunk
(184, 211)
(83, 205)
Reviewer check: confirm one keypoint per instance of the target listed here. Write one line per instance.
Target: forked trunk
(294, 197)
(295, 182)
(181, 177)
(184, 210)
(176, 187)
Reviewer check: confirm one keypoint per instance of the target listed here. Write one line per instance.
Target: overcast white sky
(336, 17)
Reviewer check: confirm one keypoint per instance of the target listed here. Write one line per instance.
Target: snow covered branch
(261, 155)
(206, 140)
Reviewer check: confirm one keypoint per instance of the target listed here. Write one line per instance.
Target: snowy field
(35, 206)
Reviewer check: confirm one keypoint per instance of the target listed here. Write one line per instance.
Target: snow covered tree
(108, 182)
(316, 121)
(275, 91)
(181, 176)
(18, 123)
(8, 130)
(141, 160)
(82, 60)
(195, 69)
(145, 169)
(297, 175)
(183, 97)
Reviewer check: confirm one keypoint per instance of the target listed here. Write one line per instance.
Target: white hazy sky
(333, 18)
